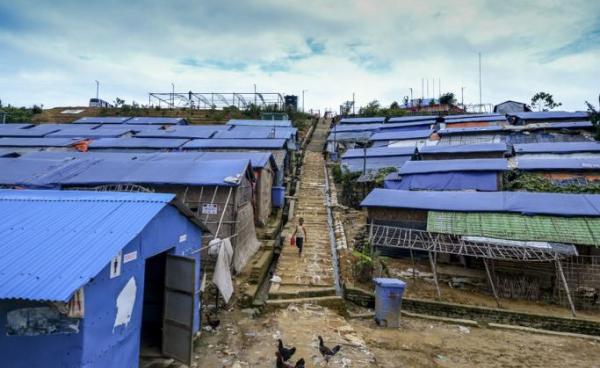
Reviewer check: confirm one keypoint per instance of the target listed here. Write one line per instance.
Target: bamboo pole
(435, 278)
(489, 275)
(566, 286)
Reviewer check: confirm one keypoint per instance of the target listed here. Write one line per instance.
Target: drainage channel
(332, 241)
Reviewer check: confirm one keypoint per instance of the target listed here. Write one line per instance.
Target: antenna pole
(480, 100)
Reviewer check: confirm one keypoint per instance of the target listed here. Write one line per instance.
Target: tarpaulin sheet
(464, 148)
(550, 115)
(372, 120)
(466, 119)
(349, 136)
(236, 143)
(144, 143)
(398, 136)
(518, 202)
(574, 230)
(264, 123)
(373, 163)
(102, 120)
(559, 164)
(222, 274)
(433, 166)
(379, 152)
(38, 142)
(356, 127)
(182, 131)
(407, 128)
(262, 132)
(221, 173)
(151, 120)
(409, 119)
(470, 130)
(484, 181)
(557, 147)
(36, 131)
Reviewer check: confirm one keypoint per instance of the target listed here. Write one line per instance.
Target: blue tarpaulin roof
(102, 120)
(80, 232)
(148, 143)
(467, 119)
(15, 125)
(398, 136)
(38, 142)
(356, 127)
(36, 131)
(463, 148)
(459, 180)
(470, 130)
(563, 125)
(559, 164)
(431, 166)
(379, 152)
(264, 123)
(558, 147)
(159, 120)
(549, 115)
(183, 131)
(85, 132)
(246, 132)
(236, 143)
(167, 172)
(409, 119)
(349, 136)
(406, 126)
(364, 120)
(526, 203)
(358, 164)
(31, 173)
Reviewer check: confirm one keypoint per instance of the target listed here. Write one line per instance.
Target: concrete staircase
(309, 278)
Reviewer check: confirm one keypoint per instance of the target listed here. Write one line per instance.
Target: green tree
(119, 102)
(595, 117)
(543, 101)
(395, 105)
(447, 99)
(373, 108)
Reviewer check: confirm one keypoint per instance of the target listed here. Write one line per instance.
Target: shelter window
(44, 320)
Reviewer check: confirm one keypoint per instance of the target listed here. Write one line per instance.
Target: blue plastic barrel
(388, 301)
(278, 196)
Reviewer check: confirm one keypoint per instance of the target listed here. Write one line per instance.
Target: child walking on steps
(300, 235)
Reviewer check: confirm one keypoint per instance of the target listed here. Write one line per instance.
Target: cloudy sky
(52, 51)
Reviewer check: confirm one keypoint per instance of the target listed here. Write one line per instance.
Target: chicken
(286, 353)
(282, 364)
(326, 352)
(213, 323)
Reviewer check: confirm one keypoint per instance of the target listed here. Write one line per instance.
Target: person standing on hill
(300, 235)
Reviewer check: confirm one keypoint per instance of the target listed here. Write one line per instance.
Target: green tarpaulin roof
(570, 230)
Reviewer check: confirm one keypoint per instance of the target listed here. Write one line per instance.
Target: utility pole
(173, 95)
(255, 95)
(433, 88)
(411, 97)
(427, 87)
(353, 105)
(462, 96)
(422, 88)
(480, 100)
(97, 90)
(304, 90)
(439, 87)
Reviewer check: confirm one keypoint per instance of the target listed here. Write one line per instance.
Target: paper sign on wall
(182, 238)
(131, 256)
(115, 265)
(210, 209)
(125, 303)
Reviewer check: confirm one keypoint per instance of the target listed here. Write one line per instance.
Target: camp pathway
(309, 278)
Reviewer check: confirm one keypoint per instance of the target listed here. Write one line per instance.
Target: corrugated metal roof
(557, 147)
(38, 142)
(54, 242)
(432, 166)
(102, 120)
(529, 203)
(157, 143)
(379, 152)
(236, 143)
(152, 120)
(363, 120)
(264, 123)
(576, 164)
(464, 148)
(398, 136)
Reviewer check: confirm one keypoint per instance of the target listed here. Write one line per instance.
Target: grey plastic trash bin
(388, 301)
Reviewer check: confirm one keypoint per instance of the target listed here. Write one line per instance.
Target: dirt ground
(247, 340)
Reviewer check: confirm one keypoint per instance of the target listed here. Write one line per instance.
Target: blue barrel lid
(391, 283)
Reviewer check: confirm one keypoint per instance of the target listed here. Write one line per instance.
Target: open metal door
(178, 317)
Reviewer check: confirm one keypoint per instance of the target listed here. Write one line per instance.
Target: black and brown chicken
(326, 352)
(283, 364)
(286, 353)
(213, 323)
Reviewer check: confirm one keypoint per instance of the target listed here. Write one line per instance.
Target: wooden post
(414, 272)
(566, 286)
(489, 275)
(435, 278)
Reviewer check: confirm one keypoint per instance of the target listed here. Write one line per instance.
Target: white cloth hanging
(222, 274)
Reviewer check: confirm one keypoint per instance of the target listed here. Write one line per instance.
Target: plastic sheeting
(222, 274)
(464, 148)
(373, 120)
(575, 164)
(398, 136)
(236, 143)
(433, 166)
(260, 123)
(482, 181)
(558, 204)
(373, 163)
(140, 143)
(246, 244)
(410, 119)
(379, 152)
(548, 115)
(557, 147)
